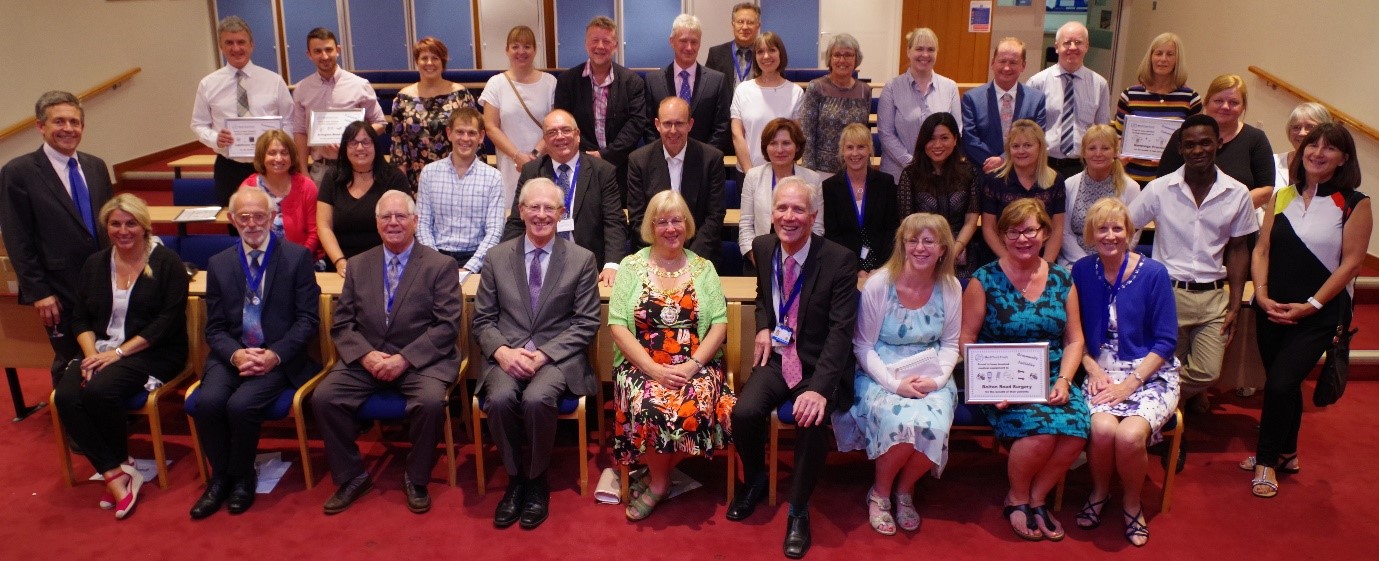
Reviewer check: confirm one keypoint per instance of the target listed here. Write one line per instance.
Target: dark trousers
(229, 174)
(460, 257)
(65, 346)
(523, 412)
(94, 413)
(762, 394)
(1289, 352)
(344, 390)
(231, 410)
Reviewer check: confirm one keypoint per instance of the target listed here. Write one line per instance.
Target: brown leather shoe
(348, 493)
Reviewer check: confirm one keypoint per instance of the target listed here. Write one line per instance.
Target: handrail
(1274, 82)
(113, 83)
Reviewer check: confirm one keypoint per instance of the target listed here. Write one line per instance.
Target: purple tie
(684, 85)
(790, 359)
(534, 286)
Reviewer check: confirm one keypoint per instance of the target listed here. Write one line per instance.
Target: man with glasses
(594, 218)
(459, 198)
(734, 58)
(682, 164)
(395, 328)
(261, 312)
(1075, 98)
(708, 91)
(534, 337)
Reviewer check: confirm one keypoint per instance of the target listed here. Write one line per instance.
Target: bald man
(677, 162)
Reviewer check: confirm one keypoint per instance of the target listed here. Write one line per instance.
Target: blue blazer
(981, 119)
(290, 308)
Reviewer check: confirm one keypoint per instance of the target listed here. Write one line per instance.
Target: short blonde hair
(920, 33)
(1103, 211)
(1146, 73)
(665, 202)
(1107, 134)
(856, 133)
(914, 225)
(1225, 82)
(1031, 129)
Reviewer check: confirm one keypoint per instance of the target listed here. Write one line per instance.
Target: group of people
(1034, 167)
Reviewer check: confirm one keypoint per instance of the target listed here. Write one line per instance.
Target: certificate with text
(1146, 137)
(246, 131)
(1012, 372)
(327, 126)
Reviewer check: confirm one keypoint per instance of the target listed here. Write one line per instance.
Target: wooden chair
(320, 351)
(1173, 436)
(145, 402)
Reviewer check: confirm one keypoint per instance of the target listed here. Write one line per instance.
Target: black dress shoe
(536, 505)
(214, 496)
(418, 500)
(348, 493)
(242, 494)
(797, 537)
(745, 503)
(510, 508)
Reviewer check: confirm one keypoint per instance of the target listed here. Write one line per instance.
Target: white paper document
(924, 365)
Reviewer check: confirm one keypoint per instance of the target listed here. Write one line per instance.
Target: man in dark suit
(534, 337)
(989, 109)
(395, 327)
(806, 310)
(594, 219)
(261, 312)
(682, 164)
(49, 201)
(607, 100)
(708, 91)
(734, 58)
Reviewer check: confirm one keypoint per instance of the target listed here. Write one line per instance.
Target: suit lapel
(811, 277)
(582, 184)
(691, 174)
(54, 183)
(518, 265)
(993, 105)
(698, 87)
(404, 284)
(670, 83)
(553, 268)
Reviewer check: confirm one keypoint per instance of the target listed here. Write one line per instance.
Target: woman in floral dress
(421, 111)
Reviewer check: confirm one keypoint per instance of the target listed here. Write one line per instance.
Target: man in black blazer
(265, 282)
(802, 354)
(49, 203)
(734, 58)
(612, 129)
(698, 177)
(396, 327)
(709, 92)
(593, 217)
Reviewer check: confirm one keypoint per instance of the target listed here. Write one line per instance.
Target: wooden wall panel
(963, 56)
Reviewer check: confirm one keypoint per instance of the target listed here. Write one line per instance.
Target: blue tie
(684, 86)
(80, 196)
(562, 179)
(253, 305)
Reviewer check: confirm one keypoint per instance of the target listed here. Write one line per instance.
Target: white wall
(875, 24)
(75, 44)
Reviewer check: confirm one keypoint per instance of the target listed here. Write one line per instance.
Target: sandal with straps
(1089, 518)
(1286, 464)
(1032, 532)
(879, 514)
(1053, 532)
(905, 514)
(641, 507)
(1136, 529)
(1265, 483)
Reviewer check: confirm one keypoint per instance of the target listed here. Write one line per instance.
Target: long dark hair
(343, 171)
(954, 174)
(1347, 177)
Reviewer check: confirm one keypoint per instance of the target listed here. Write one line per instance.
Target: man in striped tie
(1075, 98)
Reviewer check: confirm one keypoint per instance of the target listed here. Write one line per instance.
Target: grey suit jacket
(47, 240)
(425, 319)
(567, 312)
(701, 184)
(711, 97)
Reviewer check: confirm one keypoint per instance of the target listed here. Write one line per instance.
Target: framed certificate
(1013, 372)
(327, 126)
(246, 131)
(1146, 137)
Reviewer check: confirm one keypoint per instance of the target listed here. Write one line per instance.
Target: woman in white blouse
(765, 97)
(782, 140)
(902, 414)
(514, 103)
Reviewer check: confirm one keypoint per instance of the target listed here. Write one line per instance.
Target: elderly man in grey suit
(533, 337)
(395, 328)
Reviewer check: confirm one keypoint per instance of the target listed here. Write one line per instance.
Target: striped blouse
(1136, 100)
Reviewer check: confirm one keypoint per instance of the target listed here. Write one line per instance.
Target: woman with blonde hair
(908, 99)
(1245, 154)
(1102, 176)
(859, 202)
(1025, 174)
(1160, 92)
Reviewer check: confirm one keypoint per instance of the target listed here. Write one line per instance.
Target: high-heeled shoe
(124, 507)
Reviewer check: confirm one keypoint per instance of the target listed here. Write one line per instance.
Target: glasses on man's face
(1070, 43)
(394, 217)
(542, 209)
(359, 143)
(252, 217)
(1013, 234)
(559, 131)
(673, 125)
(744, 22)
(663, 222)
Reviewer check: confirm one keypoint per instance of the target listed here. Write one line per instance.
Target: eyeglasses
(1013, 234)
(252, 217)
(359, 143)
(926, 242)
(394, 217)
(673, 125)
(543, 209)
(1073, 43)
(744, 22)
(663, 222)
(559, 131)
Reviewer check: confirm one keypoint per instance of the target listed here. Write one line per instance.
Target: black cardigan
(881, 216)
(157, 307)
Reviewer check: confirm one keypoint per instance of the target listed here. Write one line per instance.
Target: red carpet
(1329, 511)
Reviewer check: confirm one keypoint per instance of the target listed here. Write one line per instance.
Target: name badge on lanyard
(253, 284)
(567, 224)
(783, 334)
(861, 207)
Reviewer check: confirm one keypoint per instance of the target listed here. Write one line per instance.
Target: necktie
(744, 61)
(241, 95)
(790, 359)
(562, 180)
(390, 287)
(253, 305)
(81, 197)
(534, 286)
(684, 85)
(1067, 118)
(1007, 114)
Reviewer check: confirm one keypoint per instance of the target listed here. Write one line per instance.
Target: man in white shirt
(708, 92)
(1075, 98)
(238, 89)
(330, 88)
(459, 199)
(1202, 221)
(682, 164)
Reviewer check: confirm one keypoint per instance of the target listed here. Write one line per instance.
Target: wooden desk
(23, 344)
(168, 215)
(194, 161)
(730, 161)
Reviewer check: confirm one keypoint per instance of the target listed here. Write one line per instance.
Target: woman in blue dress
(1021, 298)
(901, 417)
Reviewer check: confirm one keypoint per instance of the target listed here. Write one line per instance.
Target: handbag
(1336, 369)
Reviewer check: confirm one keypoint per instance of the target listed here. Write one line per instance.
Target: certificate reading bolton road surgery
(327, 126)
(1013, 372)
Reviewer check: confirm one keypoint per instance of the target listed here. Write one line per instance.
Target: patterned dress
(648, 416)
(826, 110)
(1011, 318)
(953, 207)
(879, 418)
(419, 129)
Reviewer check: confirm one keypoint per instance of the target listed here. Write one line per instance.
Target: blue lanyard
(773, 176)
(737, 66)
(780, 283)
(1115, 288)
(570, 193)
(255, 280)
(860, 209)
